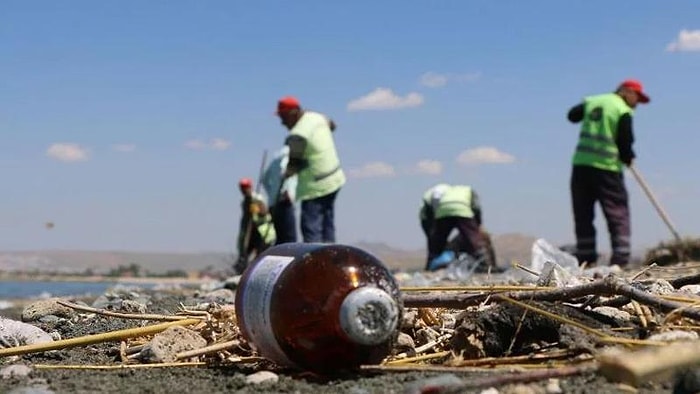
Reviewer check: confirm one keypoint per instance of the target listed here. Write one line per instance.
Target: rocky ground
(82, 367)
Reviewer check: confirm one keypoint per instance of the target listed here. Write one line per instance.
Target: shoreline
(104, 279)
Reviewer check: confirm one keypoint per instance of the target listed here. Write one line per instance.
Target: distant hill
(509, 247)
(100, 262)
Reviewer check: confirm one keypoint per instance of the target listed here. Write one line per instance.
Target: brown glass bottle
(320, 307)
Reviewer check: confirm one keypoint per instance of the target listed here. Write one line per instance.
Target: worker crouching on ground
(256, 232)
(604, 147)
(448, 207)
(314, 159)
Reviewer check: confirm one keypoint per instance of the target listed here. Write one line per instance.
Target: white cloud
(433, 80)
(124, 148)
(373, 169)
(436, 80)
(384, 99)
(688, 40)
(430, 167)
(219, 144)
(213, 144)
(485, 155)
(67, 152)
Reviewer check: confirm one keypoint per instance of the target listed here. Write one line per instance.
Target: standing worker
(313, 157)
(604, 146)
(281, 194)
(446, 207)
(256, 232)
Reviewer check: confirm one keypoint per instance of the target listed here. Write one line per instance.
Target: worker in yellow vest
(604, 148)
(256, 231)
(445, 208)
(314, 159)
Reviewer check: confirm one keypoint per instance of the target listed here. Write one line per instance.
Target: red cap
(287, 103)
(636, 86)
(245, 182)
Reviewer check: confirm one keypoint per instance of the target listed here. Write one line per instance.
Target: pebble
(165, 345)
(262, 377)
(220, 296)
(656, 286)
(433, 385)
(409, 320)
(42, 308)
(674, 335)
(692, 289)
(615, 313)
(405, 342)
(31, 390)
(553, 387)
(16, 370)
(16, 333)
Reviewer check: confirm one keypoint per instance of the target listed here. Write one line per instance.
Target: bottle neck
(369, 316)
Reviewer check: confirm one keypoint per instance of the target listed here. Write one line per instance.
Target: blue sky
(128, 124)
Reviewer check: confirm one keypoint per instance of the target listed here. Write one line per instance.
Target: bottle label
(256, 309)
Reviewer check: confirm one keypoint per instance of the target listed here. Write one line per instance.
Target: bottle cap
(368, 315)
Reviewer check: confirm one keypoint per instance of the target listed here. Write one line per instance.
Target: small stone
(674, 335)
(690, 289)
(220, 296)
(16, 333)
(131, 306)
(232, 282)
(165, 346)
(617, 314)
(16, 370)
(405, 341)
(521, 389)
(36, 389)
(656, 286)
(409, 320)
(48, 307)
(553, 386)
(490, 390)
(262, 377)
(424, 336)
(436, 384)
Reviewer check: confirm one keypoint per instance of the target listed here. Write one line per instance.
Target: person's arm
(625, 139)
(297, 148)
(576, 112)
(476, 208)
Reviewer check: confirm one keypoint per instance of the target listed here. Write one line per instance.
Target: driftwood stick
(105, 312)
(518, 377)
(640, 366)
(608, 286)
(207, 350)
(685, 280)
(96, 338)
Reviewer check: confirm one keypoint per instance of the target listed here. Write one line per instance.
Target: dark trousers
(470, 237)
(318, 219)
(284, 222)
(588, 185)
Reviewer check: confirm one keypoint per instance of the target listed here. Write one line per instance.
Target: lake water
(18, 289)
